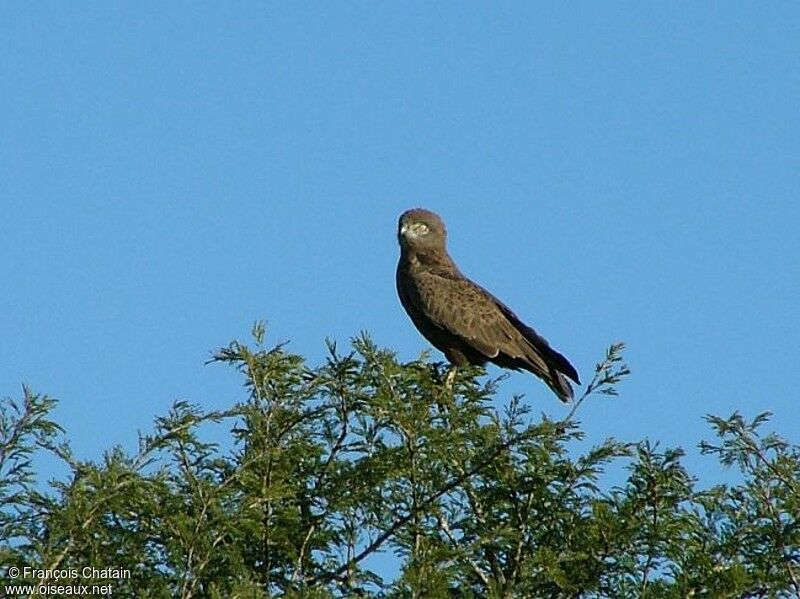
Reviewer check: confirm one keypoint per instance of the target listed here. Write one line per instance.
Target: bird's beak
(404, 229)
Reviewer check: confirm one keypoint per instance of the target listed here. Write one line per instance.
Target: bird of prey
(459, 317)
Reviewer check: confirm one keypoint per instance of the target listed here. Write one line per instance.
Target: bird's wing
(464, 309)
(554, 359)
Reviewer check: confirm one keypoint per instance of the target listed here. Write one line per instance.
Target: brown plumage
(461, 318)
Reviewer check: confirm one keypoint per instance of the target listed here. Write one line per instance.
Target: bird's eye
(414, 230)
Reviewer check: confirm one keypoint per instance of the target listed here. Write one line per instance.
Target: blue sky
(172, 172)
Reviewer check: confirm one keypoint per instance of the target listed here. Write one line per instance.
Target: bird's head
(421, 230)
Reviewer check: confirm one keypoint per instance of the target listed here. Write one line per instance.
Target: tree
(330, 466)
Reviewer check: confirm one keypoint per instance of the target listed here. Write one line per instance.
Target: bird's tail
(542, 360)
(558, 368)
(560, 385)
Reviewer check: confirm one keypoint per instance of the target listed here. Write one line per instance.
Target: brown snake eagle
(461, 318)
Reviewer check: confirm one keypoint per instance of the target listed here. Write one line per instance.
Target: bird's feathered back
(461, 318)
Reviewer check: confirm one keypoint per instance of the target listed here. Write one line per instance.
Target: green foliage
(329, 466)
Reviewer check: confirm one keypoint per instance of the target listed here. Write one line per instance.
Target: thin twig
(402, 521)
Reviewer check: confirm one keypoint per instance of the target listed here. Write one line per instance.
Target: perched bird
(461, 318)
